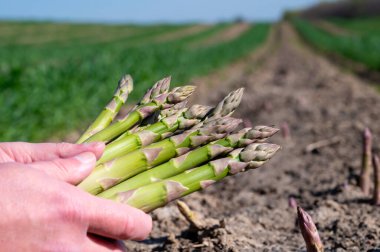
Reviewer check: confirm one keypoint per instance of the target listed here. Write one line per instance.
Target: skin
(46, 212)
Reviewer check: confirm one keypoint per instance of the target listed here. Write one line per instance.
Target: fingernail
(86, 158)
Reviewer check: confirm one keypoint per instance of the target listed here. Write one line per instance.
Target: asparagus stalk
(109, 112)
(366, 161)
(309, 232)
(376, 169)
(152, 196)
(184, 119)
(117, 170)
(189, 215)
(164, 100)
(192, 159)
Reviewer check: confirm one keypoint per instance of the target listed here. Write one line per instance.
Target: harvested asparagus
(146, 107)
(182, 120)
(125, 87)
(115, 171)
(366, 161)
(193, 159)
(309, 232)
(152, 196)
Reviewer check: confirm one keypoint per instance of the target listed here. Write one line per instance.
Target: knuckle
(129, 228)
(64, 148)
(66, 210)
(61, 165)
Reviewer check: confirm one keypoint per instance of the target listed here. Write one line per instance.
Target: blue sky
(147, 11)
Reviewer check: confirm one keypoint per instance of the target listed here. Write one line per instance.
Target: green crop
(58, 84)
(363, 48)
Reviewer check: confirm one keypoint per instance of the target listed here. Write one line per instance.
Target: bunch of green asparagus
(162, 150)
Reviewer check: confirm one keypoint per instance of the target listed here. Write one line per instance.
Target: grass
(53, 86)
(363, 47)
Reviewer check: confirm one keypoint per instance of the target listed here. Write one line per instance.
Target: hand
(43, 211)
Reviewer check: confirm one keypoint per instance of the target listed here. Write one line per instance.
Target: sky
(148, 11)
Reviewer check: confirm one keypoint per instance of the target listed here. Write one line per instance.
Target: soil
(288, 84)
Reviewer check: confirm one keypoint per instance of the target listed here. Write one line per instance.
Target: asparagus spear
(376, 174)
(366, 161)
(152, 196)
(192, 159)
(117, 170)
(184, 119)
(105, 118)
(309, 232)
(142, 111)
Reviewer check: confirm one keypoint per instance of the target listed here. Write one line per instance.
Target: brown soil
(225, 35)
(250, 211)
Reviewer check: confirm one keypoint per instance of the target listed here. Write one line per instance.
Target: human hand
(44, 212)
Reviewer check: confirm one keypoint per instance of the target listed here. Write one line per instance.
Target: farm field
(288, 83)
(52, 85)
(354, 39)
(79, 71)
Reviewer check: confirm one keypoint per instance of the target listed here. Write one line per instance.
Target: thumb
(72, 170)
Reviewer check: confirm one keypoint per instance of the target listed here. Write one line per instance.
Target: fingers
(28, 152)
(72, 170)
(117, 221)
(99, 244)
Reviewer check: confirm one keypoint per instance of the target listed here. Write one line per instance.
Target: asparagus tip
(180, 94)
(126, 83)
(309, 231)
(228, 105)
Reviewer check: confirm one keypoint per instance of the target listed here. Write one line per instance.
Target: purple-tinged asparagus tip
(126, 83)
(180, 94)
(285, 130)
(376, 173)
(309, 231)
(261, 132)
(292, 203)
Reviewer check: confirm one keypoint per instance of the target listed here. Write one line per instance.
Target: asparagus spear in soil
(193, 159)
(105, 118)
(152, 196)
(153, 133)
(376, 174)
(309, 232)
(366, 161)
(115, 171)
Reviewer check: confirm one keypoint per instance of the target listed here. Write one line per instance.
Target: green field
(54, 78)
(361, 44)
